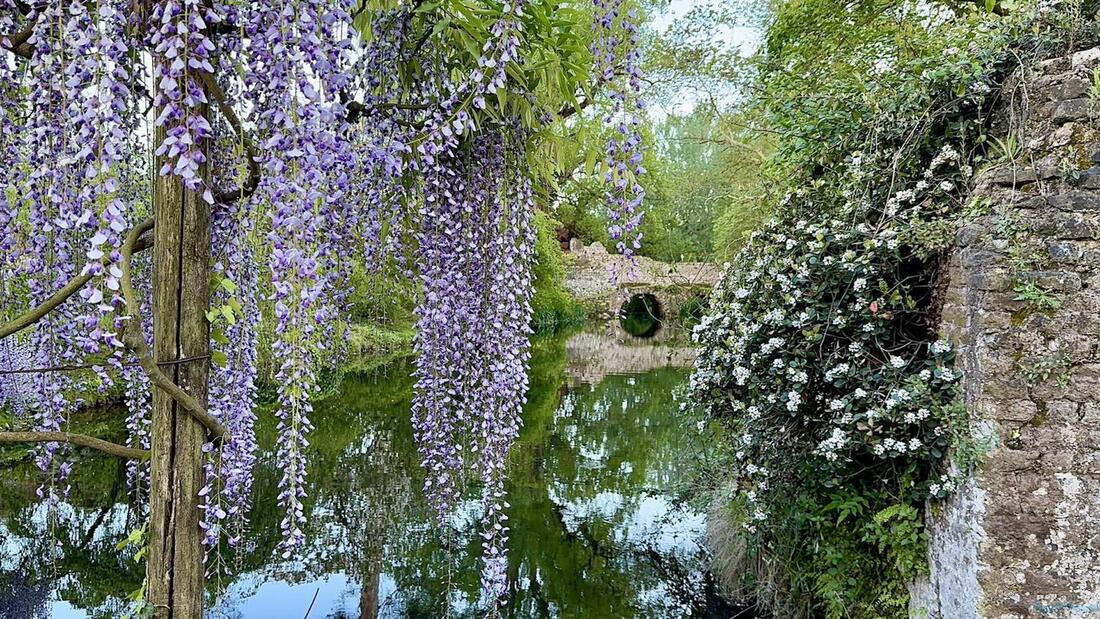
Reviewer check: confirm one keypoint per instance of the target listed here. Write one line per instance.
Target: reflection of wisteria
(21, 598)
(597, 528)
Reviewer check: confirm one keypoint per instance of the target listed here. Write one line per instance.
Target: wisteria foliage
(283, 118)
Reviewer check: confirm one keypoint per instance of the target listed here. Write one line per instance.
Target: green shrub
(553, 308)
(382, 298)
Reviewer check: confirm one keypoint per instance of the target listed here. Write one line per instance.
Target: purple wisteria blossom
(624, 148)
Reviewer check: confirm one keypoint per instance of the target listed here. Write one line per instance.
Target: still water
(599, 527)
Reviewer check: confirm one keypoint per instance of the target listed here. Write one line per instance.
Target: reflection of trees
(360, 475)
(604, 446)
(72, 547)
(364, 483)
(21, 597)
(579, 449)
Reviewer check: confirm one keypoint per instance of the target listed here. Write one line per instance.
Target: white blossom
(793, 400)
(939, 347)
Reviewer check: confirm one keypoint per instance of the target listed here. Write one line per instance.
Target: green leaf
(133, 538)
(227, 311)
(440, 26)
(590, 162)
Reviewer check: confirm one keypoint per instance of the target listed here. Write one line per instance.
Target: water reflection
(640, 315)
(596, 529)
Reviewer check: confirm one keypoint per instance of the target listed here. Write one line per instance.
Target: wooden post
(181, 296)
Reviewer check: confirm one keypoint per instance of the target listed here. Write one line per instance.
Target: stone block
(975, 258)
(1009, 176)
(1005, 388)
(1089, 298)
(1090, 440)
(1087, 58)
(990, 281)
(1077, 201)
(1017, 410)
(1056, 461)
(1085, 464)
(1090, 178)
(1053, 65)
(1048, 437)
(1071, 110)
(969, 234)
(1063, 412)
(1063, 251)
(1067, 226)
(1058, 281)
(1013, 460)
(1062, 136)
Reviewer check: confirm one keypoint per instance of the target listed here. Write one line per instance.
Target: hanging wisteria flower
(624, 148)
(184, 48)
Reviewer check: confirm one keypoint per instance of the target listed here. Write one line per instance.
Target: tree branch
(570, 110)
(37, 313)
(250, 149)
(357, 110)
(82, 440)
(89, 366)
(17, 43)
(135, 341)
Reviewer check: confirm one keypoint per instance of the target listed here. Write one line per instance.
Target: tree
(242, 137)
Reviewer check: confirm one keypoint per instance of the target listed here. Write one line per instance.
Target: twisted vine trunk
(181, 281)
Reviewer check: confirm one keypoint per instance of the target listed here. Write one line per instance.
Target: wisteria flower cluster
(618, 41)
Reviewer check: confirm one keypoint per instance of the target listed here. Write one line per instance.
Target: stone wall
(1022, 538)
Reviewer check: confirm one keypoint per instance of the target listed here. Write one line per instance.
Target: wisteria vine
(316, 151)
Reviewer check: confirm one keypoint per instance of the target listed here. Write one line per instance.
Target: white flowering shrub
(819, 357)
(817, 354)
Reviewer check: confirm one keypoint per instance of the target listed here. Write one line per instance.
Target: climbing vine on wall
(820, 355)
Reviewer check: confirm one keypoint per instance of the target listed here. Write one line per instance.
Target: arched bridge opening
(641, 315)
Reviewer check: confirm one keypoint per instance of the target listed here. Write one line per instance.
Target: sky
(744, 38)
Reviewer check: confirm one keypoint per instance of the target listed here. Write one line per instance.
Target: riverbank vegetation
(820, 356)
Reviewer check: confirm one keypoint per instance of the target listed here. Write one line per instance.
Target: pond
(599, 529)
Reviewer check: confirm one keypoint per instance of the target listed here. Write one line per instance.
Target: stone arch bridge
(604, 282)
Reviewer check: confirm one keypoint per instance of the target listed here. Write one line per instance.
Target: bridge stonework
(603, 281)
